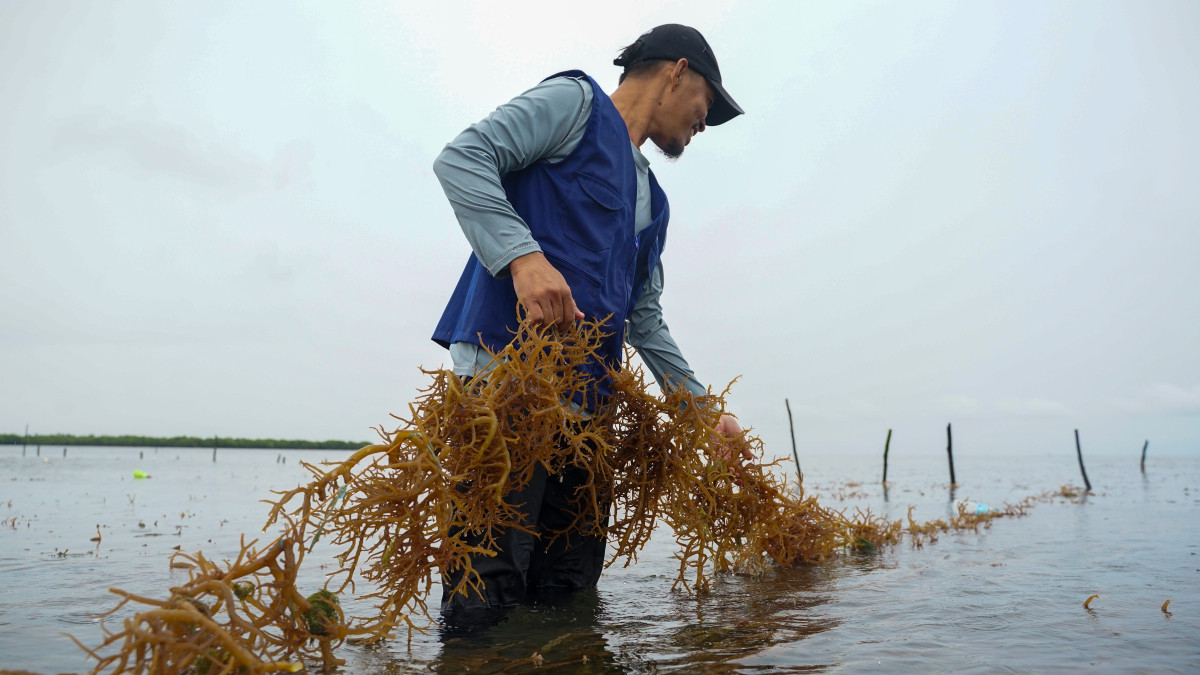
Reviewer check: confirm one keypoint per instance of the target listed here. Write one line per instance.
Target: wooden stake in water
(214, 448)
(1144, 446)
(1079, 453)
(886, 445)
(792, 428)
(950, 455)
(25, 441)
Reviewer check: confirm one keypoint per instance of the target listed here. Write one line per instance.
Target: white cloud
(157, 148)
(1032, 407)
(1162, 398)
(958, 405)
(293, 164)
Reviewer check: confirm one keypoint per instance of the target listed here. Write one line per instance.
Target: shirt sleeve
(648, 333)
(544, 123)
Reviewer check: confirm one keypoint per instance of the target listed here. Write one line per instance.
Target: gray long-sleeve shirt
(545, 123)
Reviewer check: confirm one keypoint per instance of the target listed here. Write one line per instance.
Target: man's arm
(544, 123)
(647, 332)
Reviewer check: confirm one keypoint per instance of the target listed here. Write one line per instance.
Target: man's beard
(673, 149)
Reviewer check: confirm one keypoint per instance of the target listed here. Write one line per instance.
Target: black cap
(672, 42)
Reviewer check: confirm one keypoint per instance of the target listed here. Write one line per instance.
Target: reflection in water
(590, 631)
(638, 625)
(745, 617)
(554, 631)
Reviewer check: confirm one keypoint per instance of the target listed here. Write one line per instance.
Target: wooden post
(1079, 453)
(214, 448)
(25, 441)
(1146, 445)
(886, 445)
(950, 455)
(792, 429)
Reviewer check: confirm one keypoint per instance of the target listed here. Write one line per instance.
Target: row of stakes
(278, 458)
(1087, 484)
(796, 456)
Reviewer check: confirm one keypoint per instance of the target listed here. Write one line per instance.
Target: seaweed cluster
(245, 616)
(433, 494)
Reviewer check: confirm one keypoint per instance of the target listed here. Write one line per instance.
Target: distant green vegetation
(177, 442)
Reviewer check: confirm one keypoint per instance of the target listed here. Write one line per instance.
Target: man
(565, 217)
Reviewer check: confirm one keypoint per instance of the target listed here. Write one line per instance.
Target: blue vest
(581, 212)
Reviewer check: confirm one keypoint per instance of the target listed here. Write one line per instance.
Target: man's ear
(677, 72)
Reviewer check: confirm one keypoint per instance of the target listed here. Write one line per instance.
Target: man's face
(681, 114)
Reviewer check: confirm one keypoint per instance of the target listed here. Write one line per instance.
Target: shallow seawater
(1008, 598)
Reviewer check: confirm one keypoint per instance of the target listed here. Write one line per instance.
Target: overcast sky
(220, 218)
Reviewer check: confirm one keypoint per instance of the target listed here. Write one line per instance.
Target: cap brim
(724, 108)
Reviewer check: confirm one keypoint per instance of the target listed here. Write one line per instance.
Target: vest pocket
(570, 270)
(593, 217)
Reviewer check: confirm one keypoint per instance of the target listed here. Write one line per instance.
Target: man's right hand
(543, 291)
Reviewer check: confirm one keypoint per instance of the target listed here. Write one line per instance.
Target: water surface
(1008, 598)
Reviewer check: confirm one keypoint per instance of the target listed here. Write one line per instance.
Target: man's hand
(733, 438)
(543, 291)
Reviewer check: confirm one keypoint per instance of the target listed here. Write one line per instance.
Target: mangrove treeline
(177, 442)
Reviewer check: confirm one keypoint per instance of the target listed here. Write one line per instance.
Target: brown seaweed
(398, 512)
